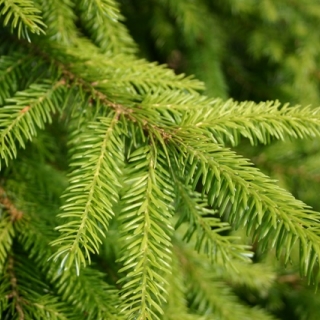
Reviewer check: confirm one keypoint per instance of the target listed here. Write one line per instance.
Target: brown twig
(9, 206)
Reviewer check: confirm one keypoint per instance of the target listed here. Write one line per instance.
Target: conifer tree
(121, 193)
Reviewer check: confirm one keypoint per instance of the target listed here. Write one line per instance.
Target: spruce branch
(176, 290)
(255, 201)
(32, 301)
(146, 151)
(93, 190)
(30, 109)
(200, 223)
(11, 68)
(5, 290)
(119, 72)
(103, 20)
(14, 294)
(146, 229)
(14, 213)
(6, 238)
(89, 295)
(60, 19)
(257, 122)
(227, 121)
(101, 298)
(177, 306)
(48, 306)
(23, 16)
(259, 277)
(191, 17)
(208, 295)
(125, 74)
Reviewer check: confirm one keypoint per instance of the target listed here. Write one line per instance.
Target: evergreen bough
(150, 187)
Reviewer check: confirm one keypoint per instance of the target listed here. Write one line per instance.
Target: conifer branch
(50, 307)
(15, 295)
(141, 77)
(228, 121)
(190, 16)
(37, 301)
(146, 233)
(13, 212)
(6, 238)
(23, 16)
(93, 189)
(146, 151)
(265, 209)
(102, 300)
(176, 290)
(5, 290)
(256, 276)
(126, 74)
(60, 20)
(203, 229)
(208, 295)
(102, 19)
(259, 123)
(10, 69)
(88, 293)
(176, 307)
(185, 316)
(32, 108)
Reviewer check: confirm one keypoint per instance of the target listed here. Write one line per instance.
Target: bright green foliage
(210, 296)
(146, 233)
(100, 18)
(29, 109)
(96, 170)
(59, 18)
(22, 15)
(120, 197)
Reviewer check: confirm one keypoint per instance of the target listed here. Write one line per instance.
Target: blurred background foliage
(249, 50)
